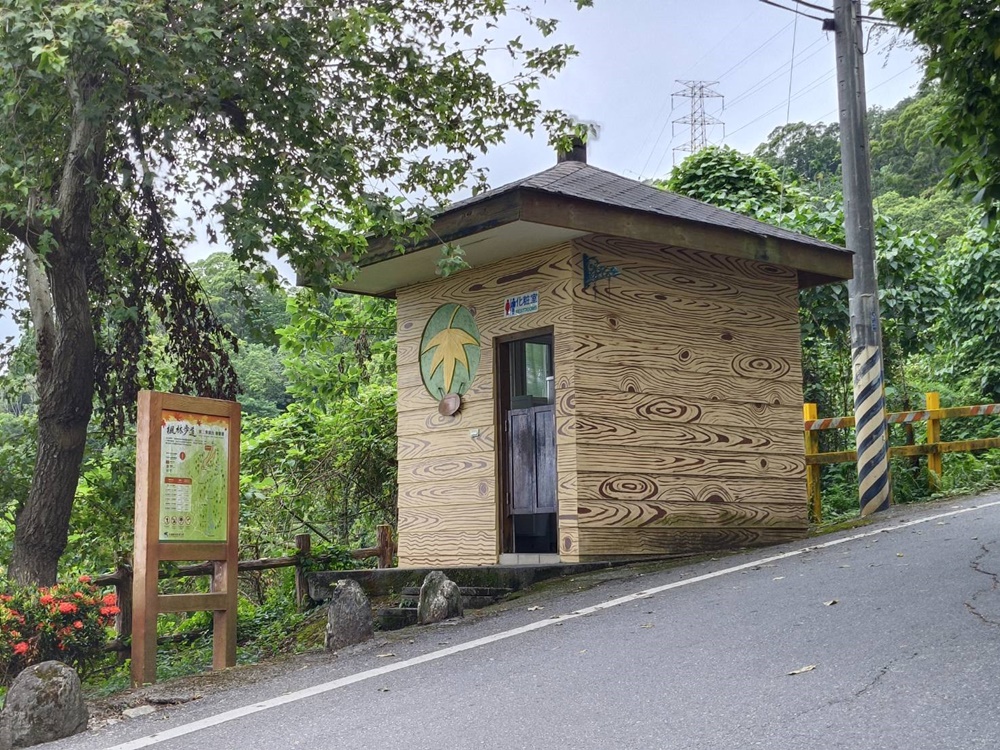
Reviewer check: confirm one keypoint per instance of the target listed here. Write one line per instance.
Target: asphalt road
(897, 625)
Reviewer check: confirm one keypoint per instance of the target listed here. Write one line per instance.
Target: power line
(791, 75)
(758, 49)
(812, 85)
(814, 7)
(775, 74)
(888, 80)
(737, 28)
(788, 108)
(792, 10)
(657, 143)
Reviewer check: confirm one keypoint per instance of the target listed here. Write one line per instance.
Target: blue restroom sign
(520, 304)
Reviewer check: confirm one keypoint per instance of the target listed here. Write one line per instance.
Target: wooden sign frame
(155, 410)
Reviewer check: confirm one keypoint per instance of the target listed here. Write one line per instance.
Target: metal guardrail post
(813, 485)
(935, 465)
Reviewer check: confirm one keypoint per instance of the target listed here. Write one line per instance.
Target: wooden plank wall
(688, 402)
(448, 480)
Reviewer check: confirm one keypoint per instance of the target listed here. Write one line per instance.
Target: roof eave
(816, 264)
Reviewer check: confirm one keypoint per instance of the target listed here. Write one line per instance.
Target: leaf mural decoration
(450, 345)
(449, 351)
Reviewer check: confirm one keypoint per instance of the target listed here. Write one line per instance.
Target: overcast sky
(633, 52)
(770, 67)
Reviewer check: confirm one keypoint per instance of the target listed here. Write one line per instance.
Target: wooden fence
(121, 579)
(933, 447)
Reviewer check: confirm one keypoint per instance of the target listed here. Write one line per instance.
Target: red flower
(47, 599)
(66, 608)
(110, 610)
(85, 579)
(78, 594)
(20, 648)
(78, 625)
(5, 597)
(110, 600)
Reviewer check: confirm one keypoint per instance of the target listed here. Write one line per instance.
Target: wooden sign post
(186, 508)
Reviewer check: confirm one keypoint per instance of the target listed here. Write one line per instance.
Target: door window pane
(536, 370)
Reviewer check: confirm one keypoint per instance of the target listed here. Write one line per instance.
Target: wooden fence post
(123, 620)
(934, 463)
(384, 544)
(813, 490)
(303, 546)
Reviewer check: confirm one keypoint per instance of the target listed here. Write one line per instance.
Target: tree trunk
(59, 303)
(65, 383)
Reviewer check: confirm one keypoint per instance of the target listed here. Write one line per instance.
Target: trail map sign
(186, 508)
(194, 473)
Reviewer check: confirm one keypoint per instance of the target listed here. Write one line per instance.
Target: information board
(194, 477)
(187, 508)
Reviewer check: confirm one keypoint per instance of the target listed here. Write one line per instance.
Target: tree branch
(40, 301)
(14, 228)
(86, 141)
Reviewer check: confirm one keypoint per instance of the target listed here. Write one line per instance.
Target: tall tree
(284, 125)
(242, 298)
(906, 156)
(805, 153)
(960, 37)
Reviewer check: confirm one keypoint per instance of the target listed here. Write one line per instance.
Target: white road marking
(298, 695)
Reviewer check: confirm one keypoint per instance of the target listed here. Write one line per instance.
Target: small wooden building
(616, 375)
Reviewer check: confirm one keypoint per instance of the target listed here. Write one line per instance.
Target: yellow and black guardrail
(933, 447)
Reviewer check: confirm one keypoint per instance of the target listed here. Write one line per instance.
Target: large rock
(440, 599)
(348, 616)
(45, 703)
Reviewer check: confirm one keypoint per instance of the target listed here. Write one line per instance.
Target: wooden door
(528, 445)
(532, 459)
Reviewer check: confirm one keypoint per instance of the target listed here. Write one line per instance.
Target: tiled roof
(576, 179)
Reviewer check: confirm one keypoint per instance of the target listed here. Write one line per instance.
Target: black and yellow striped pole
(866, 333)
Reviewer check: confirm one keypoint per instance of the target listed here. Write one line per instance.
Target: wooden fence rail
(121, 578)
(933, 447)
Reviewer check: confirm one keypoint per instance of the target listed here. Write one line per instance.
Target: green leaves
(724, 177)
(271, 125)
(960, 38)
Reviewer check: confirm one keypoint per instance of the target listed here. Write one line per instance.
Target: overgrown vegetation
(318, 457)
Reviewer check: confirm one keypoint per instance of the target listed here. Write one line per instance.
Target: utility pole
(871, 430)
(698, 120)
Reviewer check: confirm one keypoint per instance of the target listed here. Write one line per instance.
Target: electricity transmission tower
(698, 120)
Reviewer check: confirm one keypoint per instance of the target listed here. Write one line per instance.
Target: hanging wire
(788, 106)
(792, 10)
(814, 7)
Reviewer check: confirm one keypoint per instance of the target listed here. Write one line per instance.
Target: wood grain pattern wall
(448, 480)
(686, 404)
(678, 406)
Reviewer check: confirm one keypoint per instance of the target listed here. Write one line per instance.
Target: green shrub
(67, 622)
